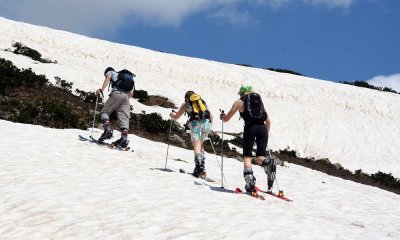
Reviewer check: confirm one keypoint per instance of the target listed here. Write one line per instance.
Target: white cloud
(345, 4)
(392, 81)
(103, 16)
(231, 15)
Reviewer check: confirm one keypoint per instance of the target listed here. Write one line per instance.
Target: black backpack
(125, 81)
(254, 112)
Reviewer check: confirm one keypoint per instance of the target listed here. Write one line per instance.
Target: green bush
(141, 95)
(289, 152)
(29, 52)
(43, 112)
(153, 122)
(89, 97)
(64, 85)
(285, 71)
(367, 85)
(386, 179)
(237, 140)
(12, 77)
(216, 141)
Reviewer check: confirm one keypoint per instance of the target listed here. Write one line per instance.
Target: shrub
(386, 179)
(142, 95)
(216, 141)
(285, 71)
(367, 85)
(89, 97)
(153, 122)
(237, 140)
(64, 85)
(29, 52)
(12, 77)
(289, 152)
(43, 112)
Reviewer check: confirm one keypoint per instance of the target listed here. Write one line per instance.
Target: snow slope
(356, 127)
(54, 186)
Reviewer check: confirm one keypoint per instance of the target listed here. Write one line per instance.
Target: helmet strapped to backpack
(108, 69)
(125, 81)
(254, 112)
(196, 108)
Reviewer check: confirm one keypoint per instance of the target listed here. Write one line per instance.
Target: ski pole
(169, 136)
(212, 145)
(280, 192)
(94, 116)
(222, 151)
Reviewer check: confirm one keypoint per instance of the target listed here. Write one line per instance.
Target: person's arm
(268, 123)
(107, 80)
(231, 112)
(176, 115)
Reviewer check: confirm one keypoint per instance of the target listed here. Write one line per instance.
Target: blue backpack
(125, 81)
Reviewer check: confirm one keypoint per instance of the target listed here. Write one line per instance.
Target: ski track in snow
(56, 187)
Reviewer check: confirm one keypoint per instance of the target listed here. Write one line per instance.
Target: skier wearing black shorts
(256, 129)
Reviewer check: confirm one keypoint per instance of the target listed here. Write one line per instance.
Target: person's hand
(172, 114)
(99, 91)
(221, 116)
(130, 94)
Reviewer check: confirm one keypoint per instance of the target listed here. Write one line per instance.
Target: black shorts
(258, 134)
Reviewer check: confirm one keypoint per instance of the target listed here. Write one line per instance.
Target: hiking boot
(250, 181)
(107, 134)
(123, 141)
(270, 169)
(199, 170)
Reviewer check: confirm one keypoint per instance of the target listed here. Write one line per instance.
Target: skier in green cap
(256, 128)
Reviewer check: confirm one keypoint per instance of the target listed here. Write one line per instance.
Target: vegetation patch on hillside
(20, 48)
(29, 98)
(367, 85)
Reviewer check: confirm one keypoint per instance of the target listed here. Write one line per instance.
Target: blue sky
(337, 40)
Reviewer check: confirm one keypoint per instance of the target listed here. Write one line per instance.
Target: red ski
(238, 190)
(275, 195)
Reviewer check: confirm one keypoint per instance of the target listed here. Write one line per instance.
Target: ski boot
(270, 169)
(107, 134)
(250, 182)
(123, 141)
(199, 170)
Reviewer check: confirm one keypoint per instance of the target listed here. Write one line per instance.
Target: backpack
(254, 112)
(196, 108)
(124, 81)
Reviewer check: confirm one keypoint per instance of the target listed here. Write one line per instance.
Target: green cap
(244, 89)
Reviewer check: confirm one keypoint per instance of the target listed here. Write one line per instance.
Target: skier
(122, 90)
(256, 129)
(200, 122)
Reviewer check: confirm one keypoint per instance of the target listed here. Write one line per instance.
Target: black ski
(201, 177)
(92, 140)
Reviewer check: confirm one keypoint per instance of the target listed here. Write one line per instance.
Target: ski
(181, 170)
(239, 191)
(109, 145)
(274, 194)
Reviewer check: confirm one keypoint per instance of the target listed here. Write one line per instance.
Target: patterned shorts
(199, 129)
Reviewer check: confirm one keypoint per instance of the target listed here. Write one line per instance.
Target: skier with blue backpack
(122, 88)
(256, 129)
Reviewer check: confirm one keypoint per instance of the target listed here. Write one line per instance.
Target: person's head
(244, 90)
(108, 69)
(188, 94)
